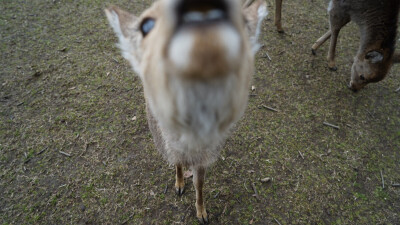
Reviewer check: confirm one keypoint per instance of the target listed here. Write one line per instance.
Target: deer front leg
(179, 181)
(337, 20)
(332, 50)
(198, 181)
(278, 15)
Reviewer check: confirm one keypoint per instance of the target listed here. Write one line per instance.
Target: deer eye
(147, 25)
(362, 77)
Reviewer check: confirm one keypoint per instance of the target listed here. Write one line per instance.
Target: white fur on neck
(193, 130)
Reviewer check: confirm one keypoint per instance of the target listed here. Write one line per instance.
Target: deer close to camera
(195, 59)
(377, 21)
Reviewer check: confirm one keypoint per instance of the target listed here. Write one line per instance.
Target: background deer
(378, 24)
(195, 60)
(377, 21)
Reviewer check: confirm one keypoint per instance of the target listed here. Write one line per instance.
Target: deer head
(181, 48)
(369, 67)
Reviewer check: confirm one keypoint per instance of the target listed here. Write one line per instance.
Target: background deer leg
(198, 181)
(320, 41)
(180, 182)
(278, 15)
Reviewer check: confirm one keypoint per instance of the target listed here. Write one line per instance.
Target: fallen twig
(383, 181)
(255, 191)
(397, 90)
(166, 188)
(64, 153)
(301, 154)
(63, 49)
(370, 114)
(41, 151)
(270, 108)
(277, 221)
(331, 125)
(266, 56)
(127, 220)
(223, 211)
(395, 185)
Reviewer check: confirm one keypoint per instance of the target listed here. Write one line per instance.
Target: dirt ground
(75, 147)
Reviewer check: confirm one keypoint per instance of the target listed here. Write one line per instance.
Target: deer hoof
(180, 190)
(313, 51)
(333, 68)
(203, 220)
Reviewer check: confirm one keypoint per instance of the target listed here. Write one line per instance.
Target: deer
(278, 14)
(377, 21)
(195, 59)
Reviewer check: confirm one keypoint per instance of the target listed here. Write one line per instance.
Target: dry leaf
(265, 180)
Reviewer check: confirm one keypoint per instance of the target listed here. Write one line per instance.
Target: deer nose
(352, 87)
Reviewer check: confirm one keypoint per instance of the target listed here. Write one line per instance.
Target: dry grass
(65, 88)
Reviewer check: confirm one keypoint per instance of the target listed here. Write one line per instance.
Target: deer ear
(121, 21)
(254, 13)
(374, 57)
(123, 24)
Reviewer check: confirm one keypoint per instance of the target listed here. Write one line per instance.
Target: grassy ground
(75, 147)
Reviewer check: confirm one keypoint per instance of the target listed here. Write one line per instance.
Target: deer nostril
(362, 77)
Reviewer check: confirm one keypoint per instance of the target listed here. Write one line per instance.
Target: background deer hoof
(313, 51)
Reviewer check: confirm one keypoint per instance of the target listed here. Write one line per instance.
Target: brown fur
(200, 54)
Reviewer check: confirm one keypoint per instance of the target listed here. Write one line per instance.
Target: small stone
(265, 180)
